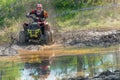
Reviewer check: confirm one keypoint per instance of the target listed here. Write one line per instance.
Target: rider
(40, 14)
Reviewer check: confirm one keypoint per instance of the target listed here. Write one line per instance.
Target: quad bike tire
(48, 37)
(22, 38)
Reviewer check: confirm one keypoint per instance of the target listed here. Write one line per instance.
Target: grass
(12, 30)
(91, 19)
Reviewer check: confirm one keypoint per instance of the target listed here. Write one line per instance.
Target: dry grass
(105, 18)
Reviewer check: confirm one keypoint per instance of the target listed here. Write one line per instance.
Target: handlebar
(35, 19)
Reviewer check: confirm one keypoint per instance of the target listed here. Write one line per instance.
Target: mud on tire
(48, 37)
(21, 39)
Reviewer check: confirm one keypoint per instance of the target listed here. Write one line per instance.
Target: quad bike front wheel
(22, 38)
(48, 37)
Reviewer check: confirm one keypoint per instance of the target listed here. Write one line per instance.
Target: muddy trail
(78, 38)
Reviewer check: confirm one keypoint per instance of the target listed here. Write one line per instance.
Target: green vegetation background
(64, 15)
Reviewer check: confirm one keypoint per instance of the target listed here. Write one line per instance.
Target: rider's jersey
(40, 14)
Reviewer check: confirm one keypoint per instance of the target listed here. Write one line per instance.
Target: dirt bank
(90, 38)
(78, 38)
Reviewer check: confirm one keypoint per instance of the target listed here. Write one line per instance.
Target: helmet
(39, 6)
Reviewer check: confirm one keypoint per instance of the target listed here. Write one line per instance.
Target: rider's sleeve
(45, 14)
(32, 12)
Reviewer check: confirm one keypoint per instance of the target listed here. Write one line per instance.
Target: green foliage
(70, 16)
(15, 10)
(75, 4)
(64, 4)
(9, 70)
(6, 11)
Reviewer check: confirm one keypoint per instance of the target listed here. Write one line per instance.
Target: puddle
(59, 63)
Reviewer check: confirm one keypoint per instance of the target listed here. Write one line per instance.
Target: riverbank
(76, 39)
(90, 38)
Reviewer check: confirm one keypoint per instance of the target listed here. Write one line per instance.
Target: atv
(33, 32)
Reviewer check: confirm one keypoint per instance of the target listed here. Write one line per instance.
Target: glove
(37, 18)
(28, 15)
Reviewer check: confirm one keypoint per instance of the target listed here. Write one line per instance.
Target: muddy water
(56, 63)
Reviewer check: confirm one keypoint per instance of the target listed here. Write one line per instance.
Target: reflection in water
(36, 66)
(36, 70)
(83, 65)
(9, 70)
(94, 63)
